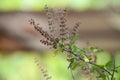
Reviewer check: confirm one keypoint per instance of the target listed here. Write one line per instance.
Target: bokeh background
(19, 42)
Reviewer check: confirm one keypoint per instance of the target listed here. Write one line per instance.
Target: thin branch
(117, 67)
(72, 74)
(100, 68)
(112, 76)
(108, 77)
(88, 62)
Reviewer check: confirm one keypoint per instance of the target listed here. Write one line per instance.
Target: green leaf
(62, 48)
(95, 49)
(74, 48)
(56, 52)
(115, 70)
(117, 67)
(71, 62)
(57, 40)
(75, 65)
(83, 50)
(108, 65)
(103, 76)
(73, 39)
(95, 68)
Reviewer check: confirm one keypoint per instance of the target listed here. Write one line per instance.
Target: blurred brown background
(100, 23)
(100, 28)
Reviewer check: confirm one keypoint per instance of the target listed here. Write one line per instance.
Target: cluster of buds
(43, 70)
(62, 24)
(49, 38)
(49, 13)
(61, 19)
(75, 28)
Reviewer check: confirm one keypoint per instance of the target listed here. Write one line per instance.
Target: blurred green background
(19, 42)
(38, 5)
(20, 65)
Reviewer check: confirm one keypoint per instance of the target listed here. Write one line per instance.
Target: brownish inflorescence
(64, 34)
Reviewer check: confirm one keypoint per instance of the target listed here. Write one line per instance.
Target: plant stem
(100, 68)
(72, 74)
(112, 76)
(89, 62)
(117, 67)
(108, 77)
